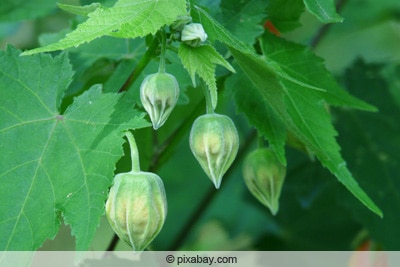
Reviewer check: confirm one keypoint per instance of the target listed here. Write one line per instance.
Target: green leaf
(298, 64)
(298, 103)
(17, 10)
(285, 14)
(216, 32)
(371, 142)
(79, 10)
(304, 114)
(126, 19)
(258, 111)
(325, 10)
(244, 19)
(203, 60)
(54, 164)
(392, 74)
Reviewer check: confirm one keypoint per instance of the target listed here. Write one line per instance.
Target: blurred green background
(316, 212)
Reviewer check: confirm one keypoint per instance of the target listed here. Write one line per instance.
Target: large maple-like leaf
(53, 164)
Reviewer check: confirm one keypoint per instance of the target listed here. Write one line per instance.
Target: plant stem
(148, 55)
(207, 96)
(113, 243)
(161, 67)
(134, 152)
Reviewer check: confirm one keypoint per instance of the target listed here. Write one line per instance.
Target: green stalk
(161, 67)
(134, 152)
(207, 96)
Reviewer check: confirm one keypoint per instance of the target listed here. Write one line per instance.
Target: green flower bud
(136, 208)
(214, 142)
(264, 176)
(193, 34)
(159, 93)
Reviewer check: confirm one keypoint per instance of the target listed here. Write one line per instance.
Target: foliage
(63, 116)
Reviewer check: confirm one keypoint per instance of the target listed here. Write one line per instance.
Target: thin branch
(113, 243)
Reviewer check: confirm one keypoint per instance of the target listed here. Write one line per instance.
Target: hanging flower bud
(264, 176)
(159, 93)
(193, 34)
(136, 206)
(214, 141)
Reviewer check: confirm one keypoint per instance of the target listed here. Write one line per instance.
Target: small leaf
(126, 19)
(203, 60)
(325, 11)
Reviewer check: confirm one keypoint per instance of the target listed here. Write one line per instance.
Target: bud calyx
(136, 206)
(214, 141)
(159, 93)
(264, 176)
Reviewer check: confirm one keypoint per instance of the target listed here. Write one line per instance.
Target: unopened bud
(214, 142)
(159, 93)
(193, 34)
(136, 208)
(264, 176)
